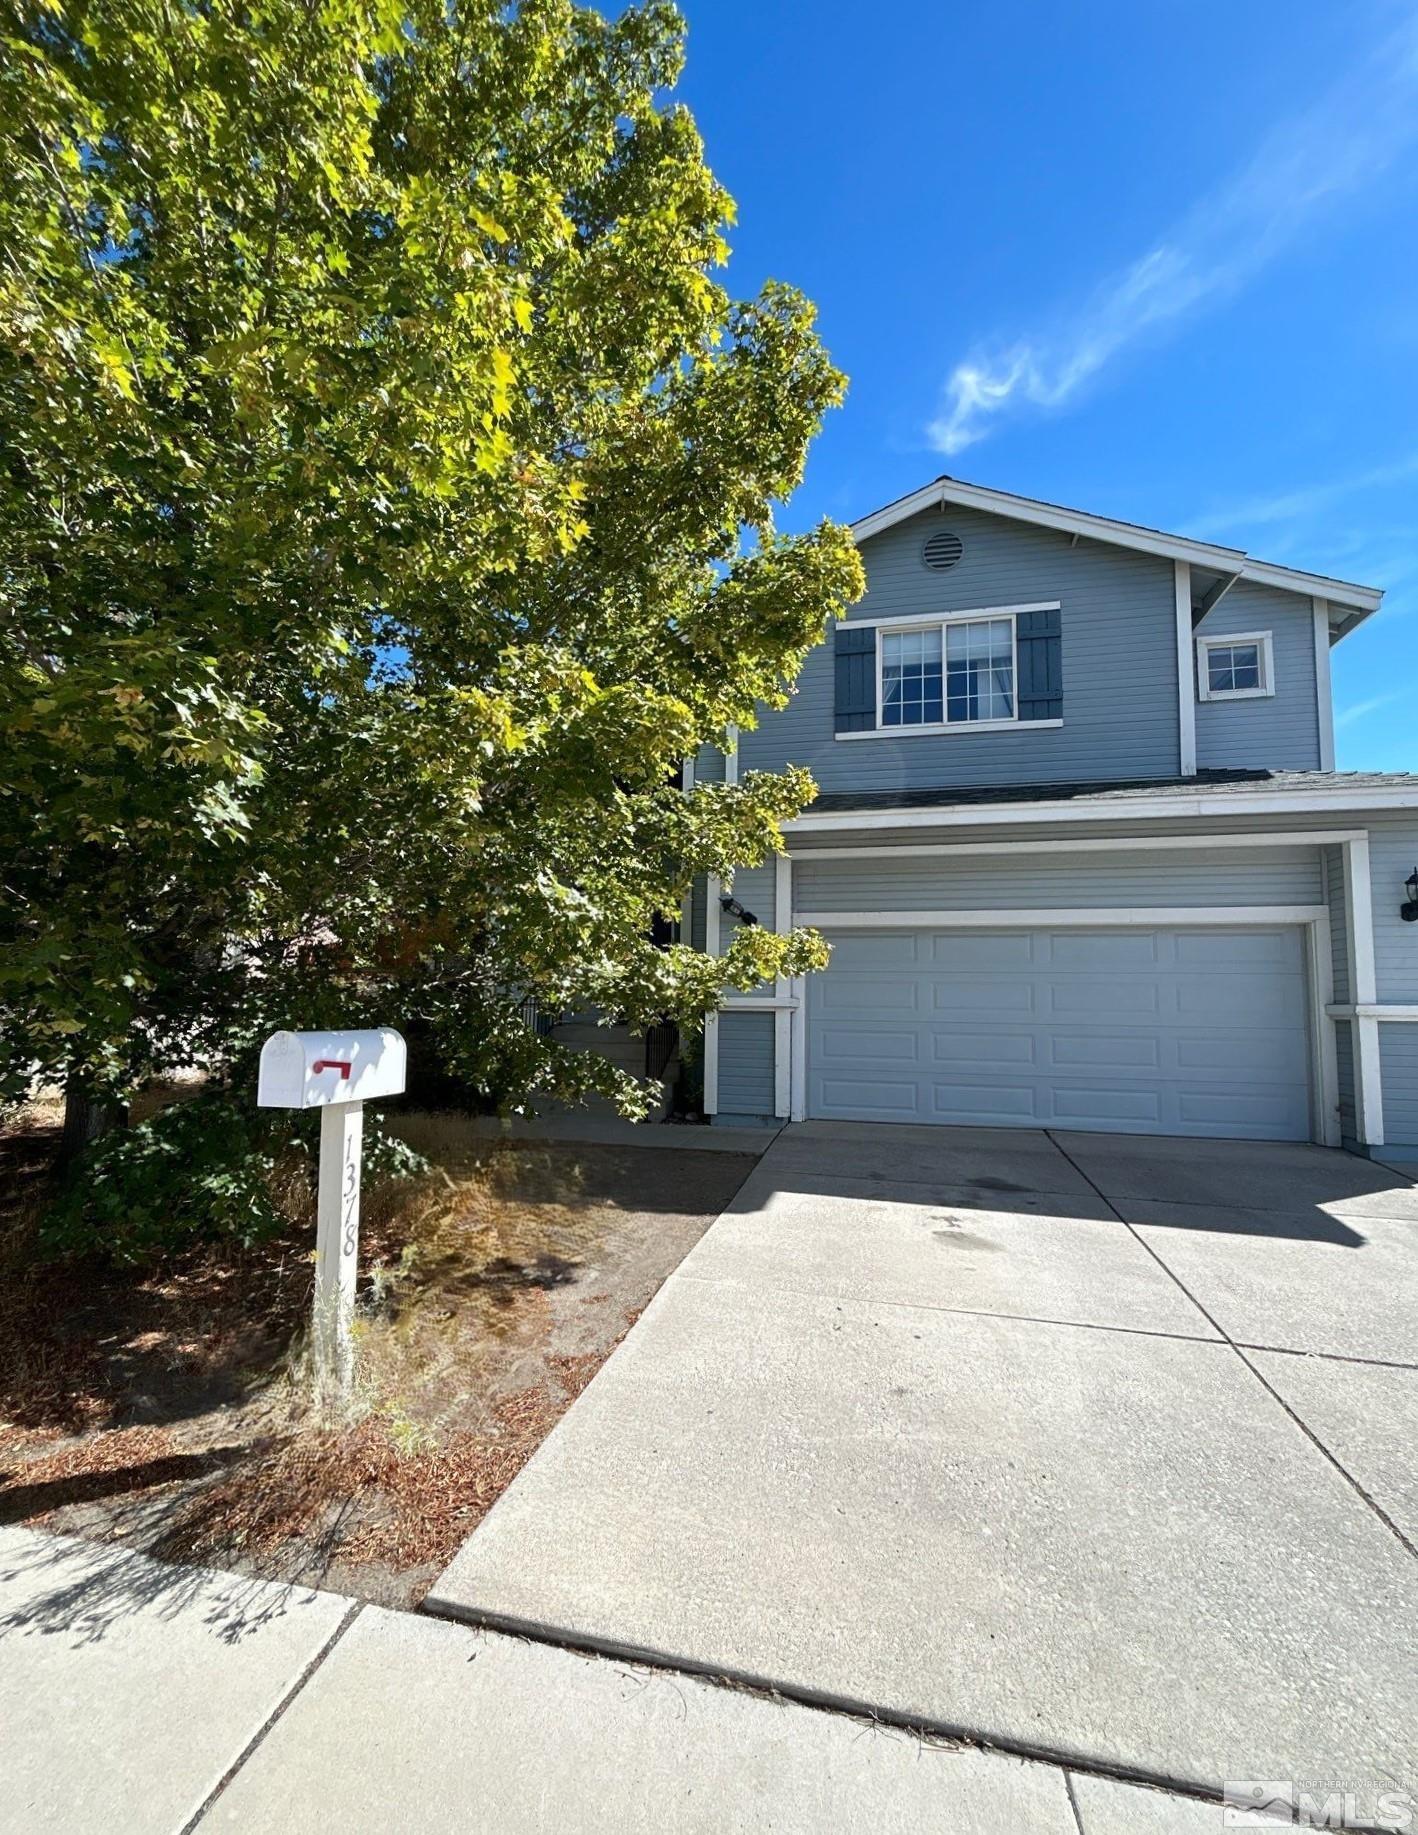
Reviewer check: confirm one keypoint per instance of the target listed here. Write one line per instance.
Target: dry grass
(168, 1407)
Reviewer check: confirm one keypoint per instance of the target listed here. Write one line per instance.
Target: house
(1080, 847)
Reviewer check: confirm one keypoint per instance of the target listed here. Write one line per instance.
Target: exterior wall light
(729, 903)
(1409, 912)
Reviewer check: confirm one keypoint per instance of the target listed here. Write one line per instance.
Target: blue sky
(1156, 261)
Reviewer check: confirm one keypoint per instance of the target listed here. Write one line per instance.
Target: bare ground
(167, 1409)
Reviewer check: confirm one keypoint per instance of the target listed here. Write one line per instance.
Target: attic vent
(942, 550)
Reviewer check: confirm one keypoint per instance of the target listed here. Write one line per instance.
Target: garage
(1189, 1030)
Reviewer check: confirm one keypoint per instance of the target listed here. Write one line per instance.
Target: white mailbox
(337, 1073)
(310, 1070)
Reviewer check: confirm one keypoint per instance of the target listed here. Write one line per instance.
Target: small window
(948, 674)
(1235, 667)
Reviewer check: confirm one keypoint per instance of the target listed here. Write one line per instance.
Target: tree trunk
(87, 1118)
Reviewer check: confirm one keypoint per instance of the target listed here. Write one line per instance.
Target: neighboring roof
(1208, 793)
(1232, 562)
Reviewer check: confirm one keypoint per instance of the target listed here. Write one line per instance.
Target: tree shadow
(82, 1590)
(18, 1502)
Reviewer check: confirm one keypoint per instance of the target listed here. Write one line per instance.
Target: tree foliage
(387, 493)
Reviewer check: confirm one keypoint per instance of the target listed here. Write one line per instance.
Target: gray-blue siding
(1119, 665)
(1221, 876)
(1277, 732)
(745, 1064)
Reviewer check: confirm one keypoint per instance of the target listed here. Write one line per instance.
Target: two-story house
(1080, 847)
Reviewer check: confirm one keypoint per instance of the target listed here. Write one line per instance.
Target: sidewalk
(140, 1699)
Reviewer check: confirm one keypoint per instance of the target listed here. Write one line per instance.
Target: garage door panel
(1108, 952)
(1090, 995)
(979, 1102)
(1232, 1000)
(1010, 950)
(1105, 1051)
(1106, 1108)
(971, 995)
(870, 1099)
(869, 1045)
(1047, 1027)
(879, 952)
(1235, 1055)
(985, 1050)
(873, 995)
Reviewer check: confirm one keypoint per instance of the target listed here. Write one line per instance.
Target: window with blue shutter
(854, 664)
(1039, 636)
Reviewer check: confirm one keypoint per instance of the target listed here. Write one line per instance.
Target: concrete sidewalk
(140, 1699)
(923, 1426)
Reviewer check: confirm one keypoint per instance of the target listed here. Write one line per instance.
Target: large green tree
(386, 507)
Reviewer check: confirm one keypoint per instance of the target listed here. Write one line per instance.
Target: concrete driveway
(1087, 1447)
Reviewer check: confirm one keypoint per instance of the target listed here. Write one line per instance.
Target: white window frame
(1225, 640)
(939, 621)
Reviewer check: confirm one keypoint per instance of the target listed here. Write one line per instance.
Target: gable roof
(1350, 603)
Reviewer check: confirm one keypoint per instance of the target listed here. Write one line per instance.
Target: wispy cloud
(1351, 716)
(1307, 501)
(1339, 145)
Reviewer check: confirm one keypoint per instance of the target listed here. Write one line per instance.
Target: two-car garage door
(1165, 1031)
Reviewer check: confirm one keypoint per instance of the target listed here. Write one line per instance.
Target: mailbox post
(336, 1072)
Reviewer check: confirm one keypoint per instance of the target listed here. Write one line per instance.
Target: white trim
(1324, 694)
(1100, 844)
(1070, 917)
(952, 727)
(946, 491)
(712, 885)
(1186, 712)
(1222, 640)
(1363, 991)
(907, 620)
(782, 1007)
(1359, 907)
(1324, 1042)
(686, 775)
(1385, 1015)
(797, 1107)
(731, 757)
(1138, 808)
(758, 1003)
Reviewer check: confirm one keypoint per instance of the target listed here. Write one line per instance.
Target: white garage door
(1185, 1031)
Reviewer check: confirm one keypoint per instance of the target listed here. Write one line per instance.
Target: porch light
(1409, 912)
(727, 902)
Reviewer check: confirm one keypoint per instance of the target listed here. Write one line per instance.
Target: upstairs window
(1235, 667)
(950, 673)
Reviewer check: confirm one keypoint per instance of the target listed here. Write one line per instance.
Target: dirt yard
(167, 1409)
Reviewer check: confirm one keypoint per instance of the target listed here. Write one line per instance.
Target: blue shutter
(854, 665)
(1040, 688)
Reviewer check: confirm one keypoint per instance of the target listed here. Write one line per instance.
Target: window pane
(979, 679)
(910, 678)
(1231, 667)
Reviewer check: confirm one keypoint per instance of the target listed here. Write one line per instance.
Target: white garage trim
(1363, 991)
(1101, 844)
(782, 1017)
(712, 887)
(1324, 1069)
(1159, 917)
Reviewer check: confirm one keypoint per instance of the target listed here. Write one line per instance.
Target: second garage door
(1186, 1031)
